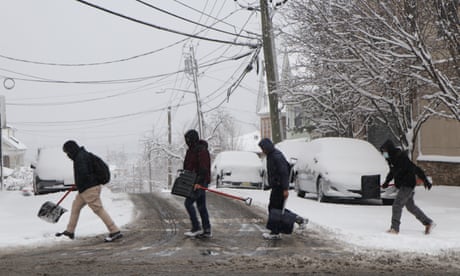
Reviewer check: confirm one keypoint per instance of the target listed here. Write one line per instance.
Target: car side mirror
(262, 173)
(293, 160)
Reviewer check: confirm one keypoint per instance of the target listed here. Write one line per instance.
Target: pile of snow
(365, 225)
(25, 228)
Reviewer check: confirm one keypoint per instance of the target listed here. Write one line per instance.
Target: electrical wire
(166, 29)
(191, 21)
(215, 18)
(115, 81)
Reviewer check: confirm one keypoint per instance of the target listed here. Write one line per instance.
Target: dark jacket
(197, 159)
(402, 170)
(277, 165)
(82, 169)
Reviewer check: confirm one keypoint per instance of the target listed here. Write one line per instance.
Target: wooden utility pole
(191, 67)
(170, 145)
(271, 70)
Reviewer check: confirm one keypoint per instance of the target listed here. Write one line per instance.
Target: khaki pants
(92, 197)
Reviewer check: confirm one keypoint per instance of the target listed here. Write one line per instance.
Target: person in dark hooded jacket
(89, 192)
(197, 159)
(278, 181)
(404, 173)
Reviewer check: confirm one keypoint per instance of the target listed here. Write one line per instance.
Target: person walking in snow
(278, 182)
(404, 172)
(89, 192)
(197, 159)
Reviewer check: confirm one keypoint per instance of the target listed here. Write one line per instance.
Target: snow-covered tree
(393, 61)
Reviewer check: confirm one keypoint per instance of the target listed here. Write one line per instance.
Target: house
(13, 150)
(263, 111)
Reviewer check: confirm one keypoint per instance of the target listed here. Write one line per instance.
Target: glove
(385, 185)
(427, 185)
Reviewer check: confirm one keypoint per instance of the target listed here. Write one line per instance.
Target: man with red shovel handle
(197, 159)
(89, 192)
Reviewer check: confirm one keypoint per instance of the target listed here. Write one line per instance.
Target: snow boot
(67, 234)
(113, 236)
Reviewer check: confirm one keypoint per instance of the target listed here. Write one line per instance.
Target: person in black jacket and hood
(89, 192)
(197, 159)
(278, 180)
(404, 172)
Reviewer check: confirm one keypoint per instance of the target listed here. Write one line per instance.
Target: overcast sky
(70, 83)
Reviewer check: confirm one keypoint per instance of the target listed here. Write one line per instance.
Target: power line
(95, 63)
(33, 78)
(166, 29)
(191, 21)
(210, 16)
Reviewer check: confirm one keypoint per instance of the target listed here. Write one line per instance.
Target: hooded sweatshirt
(402, 170)
(197, 159)
(82, 166)
(277, 165)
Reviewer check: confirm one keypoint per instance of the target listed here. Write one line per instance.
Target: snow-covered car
(341, 168)
(53, 171)
(289, 148)
(242, 169)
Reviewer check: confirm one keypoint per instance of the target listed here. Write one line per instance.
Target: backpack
(100, 169)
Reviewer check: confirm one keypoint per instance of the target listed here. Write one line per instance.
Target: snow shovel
(246, 200)
(51, 212)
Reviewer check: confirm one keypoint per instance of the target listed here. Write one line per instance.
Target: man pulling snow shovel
(278, 180)
(89, 191)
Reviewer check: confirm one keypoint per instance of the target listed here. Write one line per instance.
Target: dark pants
(405, 197)
(276, 202)
(200, 199)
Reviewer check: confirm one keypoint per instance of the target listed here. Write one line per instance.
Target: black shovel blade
(51, 212)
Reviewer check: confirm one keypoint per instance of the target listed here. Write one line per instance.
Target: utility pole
(191, 67)
(170, 145)
(271, 70)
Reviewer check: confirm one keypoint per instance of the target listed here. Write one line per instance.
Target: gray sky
(52, 103)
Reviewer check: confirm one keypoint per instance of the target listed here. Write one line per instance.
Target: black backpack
(100, 169)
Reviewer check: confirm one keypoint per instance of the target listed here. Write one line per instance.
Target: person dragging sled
(278, 181)
(89, 192)
(197, 159)
(404, 172)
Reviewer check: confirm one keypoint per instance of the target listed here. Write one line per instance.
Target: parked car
(290, 148)
(53, 171)
(241, 169)
(341, 168)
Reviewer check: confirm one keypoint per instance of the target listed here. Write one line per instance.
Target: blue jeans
(200, 199)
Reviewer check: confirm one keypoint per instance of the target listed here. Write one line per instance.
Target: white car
(242, 169)
(53, 171)
(341, 168)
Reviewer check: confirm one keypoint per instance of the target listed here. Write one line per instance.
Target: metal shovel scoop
(51, 212)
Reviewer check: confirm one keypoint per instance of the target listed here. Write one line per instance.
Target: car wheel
(387, 201)
(218, 182)
(320, 190)
(297, 189)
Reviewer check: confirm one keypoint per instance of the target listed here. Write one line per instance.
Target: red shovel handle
(65, 195)
(247, 200)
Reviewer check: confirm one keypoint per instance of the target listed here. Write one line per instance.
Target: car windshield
(239, 158)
